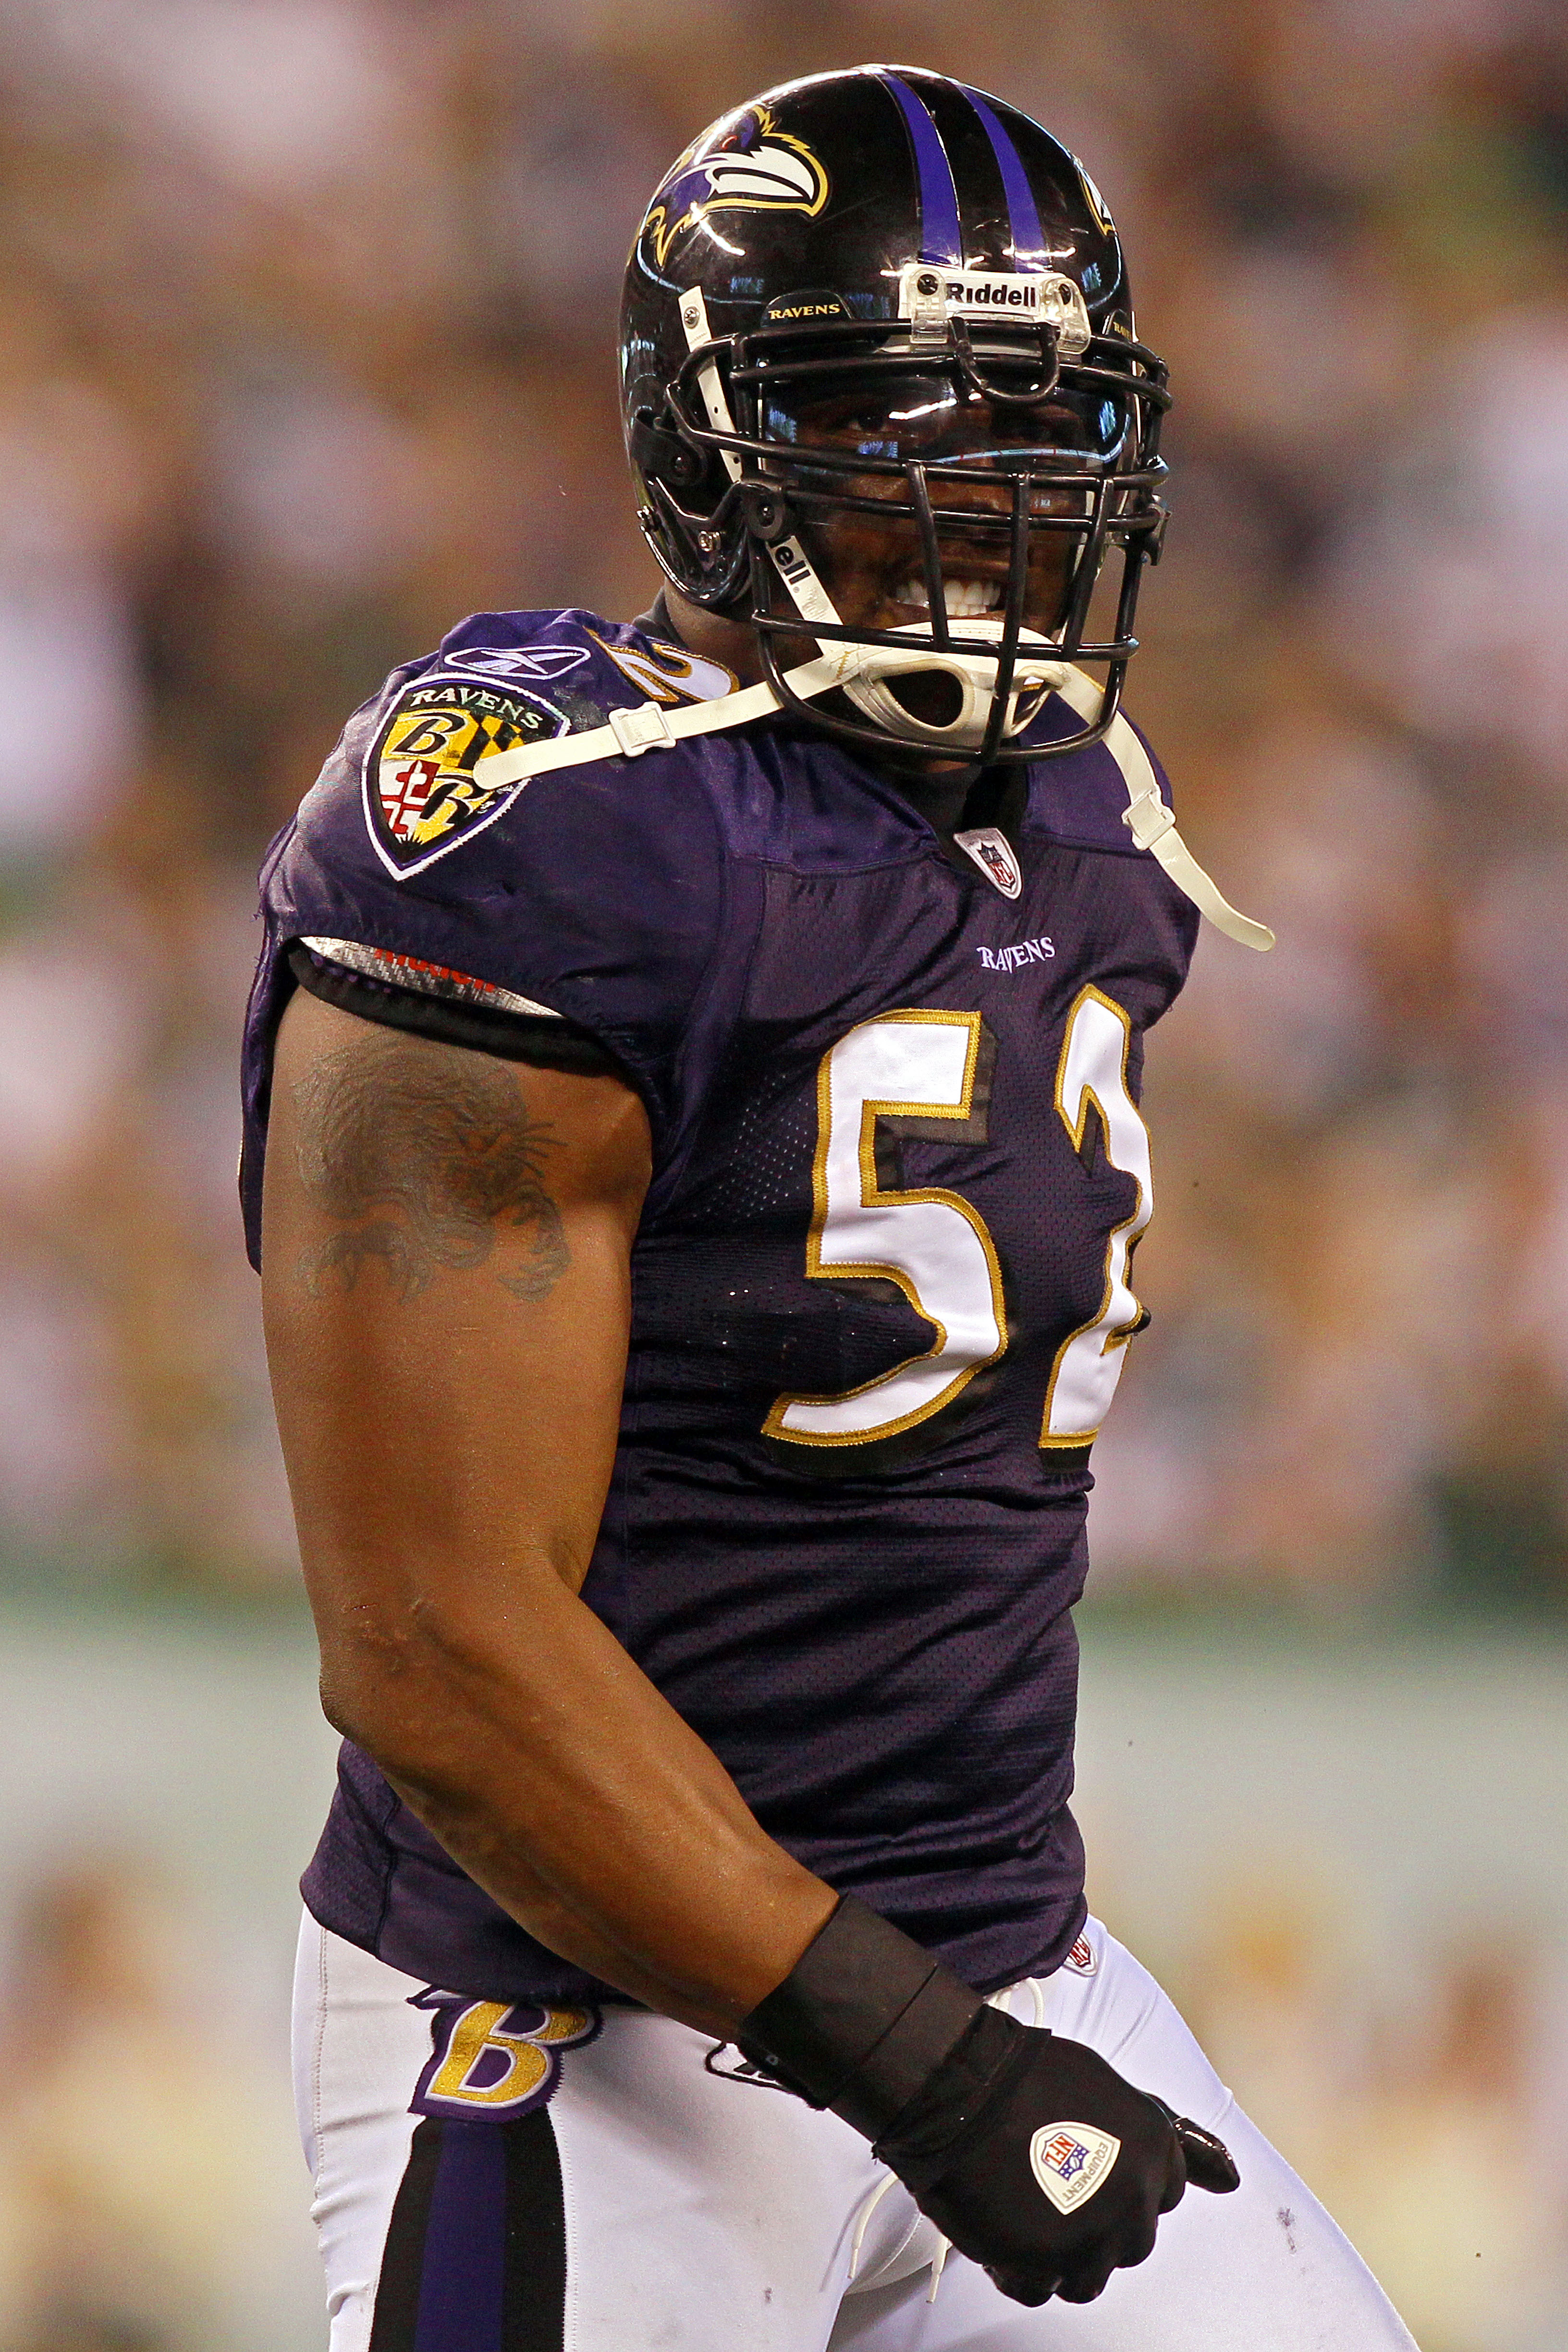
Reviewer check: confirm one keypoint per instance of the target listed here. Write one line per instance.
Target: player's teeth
(964, 597)
(972, 595)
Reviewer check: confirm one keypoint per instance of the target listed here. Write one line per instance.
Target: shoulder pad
(1114, 795)
(501, 682)
(1082, 798)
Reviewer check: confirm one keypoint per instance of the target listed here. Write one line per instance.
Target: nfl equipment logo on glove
(1070, 2160)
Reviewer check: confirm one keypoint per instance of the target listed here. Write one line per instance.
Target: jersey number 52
(909, 1070)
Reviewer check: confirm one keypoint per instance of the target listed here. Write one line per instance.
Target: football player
(694, 1063)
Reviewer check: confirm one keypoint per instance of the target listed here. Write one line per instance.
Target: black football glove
(1031, 2154)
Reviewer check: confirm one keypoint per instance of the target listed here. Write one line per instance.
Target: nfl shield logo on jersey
(993, 853)
(1070, 2162)
(424, 787)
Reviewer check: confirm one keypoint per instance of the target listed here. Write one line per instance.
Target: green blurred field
(1342, 1853)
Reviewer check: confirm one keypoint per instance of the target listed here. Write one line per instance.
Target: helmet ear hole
(660, 454)
(711, 556)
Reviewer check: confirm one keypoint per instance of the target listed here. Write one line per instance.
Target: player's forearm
(553, 1772)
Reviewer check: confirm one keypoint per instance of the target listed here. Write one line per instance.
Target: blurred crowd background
(307, 316)
(307, 319)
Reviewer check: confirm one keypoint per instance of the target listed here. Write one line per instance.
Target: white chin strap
(871, 689)
(651, 727)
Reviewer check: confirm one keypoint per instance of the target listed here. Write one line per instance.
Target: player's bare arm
(446, 1297)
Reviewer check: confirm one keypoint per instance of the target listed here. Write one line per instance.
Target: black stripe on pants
(476, 2250)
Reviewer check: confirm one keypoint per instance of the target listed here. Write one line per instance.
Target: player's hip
(545, 2177)
(491, 2174)
(495, 2177)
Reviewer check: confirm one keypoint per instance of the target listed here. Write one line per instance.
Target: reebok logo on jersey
(1070, 2162)
(517, 661)
(1023, 951)
(424, 787)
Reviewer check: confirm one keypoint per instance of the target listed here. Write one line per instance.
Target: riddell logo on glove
(1070, 2161)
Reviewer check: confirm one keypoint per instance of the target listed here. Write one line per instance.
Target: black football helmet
(878, 352)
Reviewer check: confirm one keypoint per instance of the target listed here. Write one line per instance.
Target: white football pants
(627, 2193)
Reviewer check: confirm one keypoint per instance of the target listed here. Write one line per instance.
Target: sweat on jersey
(881, 1292)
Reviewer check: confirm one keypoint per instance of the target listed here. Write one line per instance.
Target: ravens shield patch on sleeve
(425, 788)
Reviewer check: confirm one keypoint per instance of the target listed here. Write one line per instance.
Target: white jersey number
(1093, 1072)
(922, 1065)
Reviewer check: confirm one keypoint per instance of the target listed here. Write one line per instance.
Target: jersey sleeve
(433, 1000)
(573, 919)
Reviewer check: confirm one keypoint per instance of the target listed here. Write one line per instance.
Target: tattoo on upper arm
(422, 1153)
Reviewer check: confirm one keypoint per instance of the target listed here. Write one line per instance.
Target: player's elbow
(380, 1684)
(348, 1699)
(422, 1662)
(406, 1680)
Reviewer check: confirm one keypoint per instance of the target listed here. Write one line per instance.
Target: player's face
(873, 568)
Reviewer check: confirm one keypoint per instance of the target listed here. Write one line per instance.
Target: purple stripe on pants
(461, 2285)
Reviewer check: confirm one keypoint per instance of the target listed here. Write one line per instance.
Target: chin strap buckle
(1147, 818)
(642, 727)
(925, 305)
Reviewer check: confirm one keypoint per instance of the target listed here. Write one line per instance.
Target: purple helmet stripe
(941, 236)
(1023, 213)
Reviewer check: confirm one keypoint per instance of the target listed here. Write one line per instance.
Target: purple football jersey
(880, 1288)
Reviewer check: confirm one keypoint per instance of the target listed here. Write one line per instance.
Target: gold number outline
(872, 1196)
